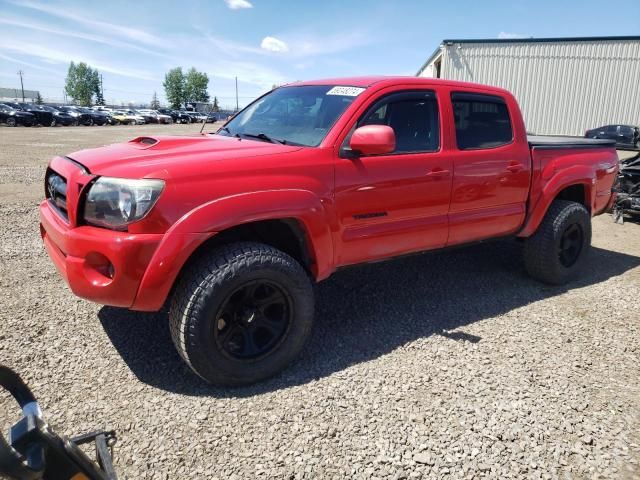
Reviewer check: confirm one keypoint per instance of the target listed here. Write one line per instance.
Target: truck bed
(548, 141)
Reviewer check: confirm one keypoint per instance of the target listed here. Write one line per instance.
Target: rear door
(491, 170)
(395, 203)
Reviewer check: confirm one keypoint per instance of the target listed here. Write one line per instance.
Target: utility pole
(101, 88)
(237, 95)
(21, 84)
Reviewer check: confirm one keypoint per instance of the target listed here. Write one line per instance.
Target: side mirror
(373, 140)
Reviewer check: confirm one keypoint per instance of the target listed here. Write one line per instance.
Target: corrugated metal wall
(562, 87)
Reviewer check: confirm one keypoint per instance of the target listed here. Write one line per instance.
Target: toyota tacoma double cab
(231, 229)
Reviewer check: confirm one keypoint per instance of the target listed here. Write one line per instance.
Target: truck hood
(165, 156)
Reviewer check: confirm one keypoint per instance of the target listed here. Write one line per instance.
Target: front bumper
(101, 265)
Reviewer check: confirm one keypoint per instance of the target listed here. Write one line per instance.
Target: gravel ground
(451, 364)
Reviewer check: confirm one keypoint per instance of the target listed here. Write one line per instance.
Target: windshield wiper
(262, 136)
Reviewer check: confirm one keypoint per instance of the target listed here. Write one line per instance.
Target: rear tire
(229, 336)
(11, 122)
(556, 252)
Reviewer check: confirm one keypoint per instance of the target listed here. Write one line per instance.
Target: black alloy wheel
(571, 245)
(252, 320)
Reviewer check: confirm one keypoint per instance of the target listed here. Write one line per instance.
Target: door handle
(515, 167)
(438, 172)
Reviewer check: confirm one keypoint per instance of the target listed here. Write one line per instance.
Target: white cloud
(508, 35)
(133, 34)
(273, 44)
(84, 36)
(238, 4)
(304, 45)
(232, 48)
(28, 64)
(58, 55)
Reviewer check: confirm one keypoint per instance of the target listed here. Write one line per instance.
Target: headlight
(117, 202)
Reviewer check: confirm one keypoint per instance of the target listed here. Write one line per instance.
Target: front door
(395, 203)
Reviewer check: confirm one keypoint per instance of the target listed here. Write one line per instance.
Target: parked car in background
(81, 118)
(13, 117)
(42, 117)
(101, 108)
(156, 116)
(127, 117)
(146, 114)
(97, 117)
(192, 116)
(84, 116)
(200, 117)
(624, 135)
(105, 112)
(177, 116)
(59, 118)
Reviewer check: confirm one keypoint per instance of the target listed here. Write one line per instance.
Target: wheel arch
(573, 184)
(293, 221)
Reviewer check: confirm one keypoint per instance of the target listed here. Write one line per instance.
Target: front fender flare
(203, 222)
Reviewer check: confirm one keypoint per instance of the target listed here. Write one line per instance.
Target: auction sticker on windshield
(346, 91)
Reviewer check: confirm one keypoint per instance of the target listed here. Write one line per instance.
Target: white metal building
(564, 85)
(15, 95)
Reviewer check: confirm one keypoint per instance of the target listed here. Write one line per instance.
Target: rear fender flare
(567, 177)
(203, 222)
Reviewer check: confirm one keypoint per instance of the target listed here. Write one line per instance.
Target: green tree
(81, 83)
(174, 86)
(39, 99)
(97, 81)
(195, 87)
(216, 107)
(155, 103)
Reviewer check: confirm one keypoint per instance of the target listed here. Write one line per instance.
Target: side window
(482, 121)
(413, 117)
(612, 129)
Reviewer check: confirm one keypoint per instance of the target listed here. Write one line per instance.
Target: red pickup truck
(231, 229)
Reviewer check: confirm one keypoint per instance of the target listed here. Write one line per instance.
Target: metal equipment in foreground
(34, 451)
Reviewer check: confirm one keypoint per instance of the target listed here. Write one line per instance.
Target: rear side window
(482, 121)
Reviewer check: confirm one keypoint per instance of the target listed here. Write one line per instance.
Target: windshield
(293, 115)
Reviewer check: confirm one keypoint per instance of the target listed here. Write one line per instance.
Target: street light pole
(21, 84)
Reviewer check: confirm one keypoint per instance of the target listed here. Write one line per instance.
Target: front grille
(56, 192)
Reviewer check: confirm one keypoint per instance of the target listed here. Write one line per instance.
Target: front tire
(242, 313)
(556, 252)
(11, 122)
